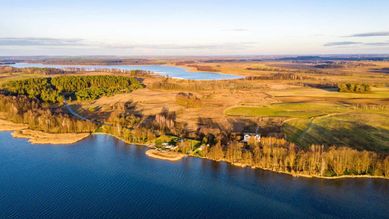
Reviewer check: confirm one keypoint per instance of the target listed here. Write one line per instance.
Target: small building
(168, 146)
(248, 136)
(202, 147)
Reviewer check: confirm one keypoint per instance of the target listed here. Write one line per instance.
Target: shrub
(188, 100)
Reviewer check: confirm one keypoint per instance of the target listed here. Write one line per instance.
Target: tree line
(55, 89)
(279, 155)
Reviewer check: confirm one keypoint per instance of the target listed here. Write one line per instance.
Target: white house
(248, 136)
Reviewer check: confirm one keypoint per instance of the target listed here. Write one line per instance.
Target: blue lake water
(171, 71)
(104, 177)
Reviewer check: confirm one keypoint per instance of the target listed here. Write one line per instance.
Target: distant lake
(104, 177)
(171, 71)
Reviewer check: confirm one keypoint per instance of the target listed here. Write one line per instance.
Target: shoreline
(39, 137)
(323, 177)
(165, 155)
(6, 125)
(195, 70)
(297, 175)
(159, 74)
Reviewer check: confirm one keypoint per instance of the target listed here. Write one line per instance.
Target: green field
(6, 77)
(356, 129)
(381, 92)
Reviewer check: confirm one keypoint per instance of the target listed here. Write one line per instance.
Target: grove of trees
(40, 116)
(279, 155)
(55, 89)
(353, 88)
(188, 100)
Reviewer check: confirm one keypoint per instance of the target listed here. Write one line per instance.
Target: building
(168, 146)
(248, 136)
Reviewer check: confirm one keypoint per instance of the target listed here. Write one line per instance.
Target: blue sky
(186, 27)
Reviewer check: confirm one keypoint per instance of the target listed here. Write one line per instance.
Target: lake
(104, 177)
(164, 70)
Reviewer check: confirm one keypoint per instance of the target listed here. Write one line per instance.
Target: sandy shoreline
(165, 155)
(39, 137)
(11, 126)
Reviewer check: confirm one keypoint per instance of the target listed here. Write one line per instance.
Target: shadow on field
(356, 135)
(264, 127)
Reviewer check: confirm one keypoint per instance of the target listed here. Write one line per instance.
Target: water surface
(171, 71)
(104, 177)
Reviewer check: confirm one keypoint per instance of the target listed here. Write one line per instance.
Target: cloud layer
(370, 34)
(36, 41)
(351, 43)
(194, 46)
(58, 42)
(342, 43)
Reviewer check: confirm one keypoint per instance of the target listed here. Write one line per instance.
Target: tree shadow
(234, 128)
(380, 70)
(330, 87)
(94, 114)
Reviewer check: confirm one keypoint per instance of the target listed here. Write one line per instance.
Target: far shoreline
(190, 70)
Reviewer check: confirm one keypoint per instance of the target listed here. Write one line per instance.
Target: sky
(193, 27)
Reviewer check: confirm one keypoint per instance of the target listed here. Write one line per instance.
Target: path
(75, 114)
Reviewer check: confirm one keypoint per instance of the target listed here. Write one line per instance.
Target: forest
(56, 89)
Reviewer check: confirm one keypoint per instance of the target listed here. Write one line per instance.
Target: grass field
(382, 92)
(359, 130)
(5, 77)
